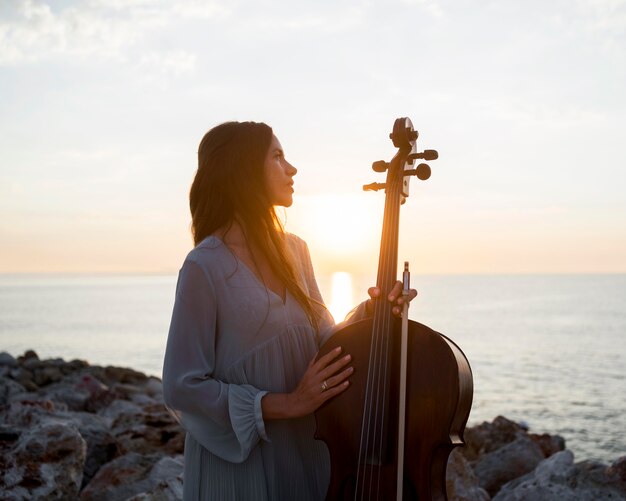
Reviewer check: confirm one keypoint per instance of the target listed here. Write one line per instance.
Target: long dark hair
(230, 184)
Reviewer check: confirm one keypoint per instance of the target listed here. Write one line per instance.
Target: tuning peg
(380, 166)
(422, 171)
(426, 155)
(373, 186)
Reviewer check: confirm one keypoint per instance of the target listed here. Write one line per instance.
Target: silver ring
(324, 386)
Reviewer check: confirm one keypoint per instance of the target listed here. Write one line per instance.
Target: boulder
(8, 389)
(461, 481)
(150, 430)
(102, 447)
(557, 478)
(167, 476)
(6, 359)
(122, 478)
(42, 462)
(506, 463)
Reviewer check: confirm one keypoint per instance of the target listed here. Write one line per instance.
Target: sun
(338, 227)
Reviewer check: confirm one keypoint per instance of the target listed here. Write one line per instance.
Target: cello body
(439, 382)
(375, 455)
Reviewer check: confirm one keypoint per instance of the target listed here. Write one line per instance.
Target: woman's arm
(225, 418)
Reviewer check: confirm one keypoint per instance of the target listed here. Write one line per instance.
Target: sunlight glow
(338, 224)
(341, 299)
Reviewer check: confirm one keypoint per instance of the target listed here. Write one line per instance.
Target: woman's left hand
(394, 296)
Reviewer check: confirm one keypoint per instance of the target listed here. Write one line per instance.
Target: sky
(103, 104)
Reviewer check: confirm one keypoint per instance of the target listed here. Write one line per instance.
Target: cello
(374, 454)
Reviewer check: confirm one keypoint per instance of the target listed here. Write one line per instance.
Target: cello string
(373, 395)
(375, 390)
(369, 394)
(387, 319)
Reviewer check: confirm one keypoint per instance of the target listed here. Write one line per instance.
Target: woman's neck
(233, 235)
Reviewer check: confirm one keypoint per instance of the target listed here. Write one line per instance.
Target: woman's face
(279, 175)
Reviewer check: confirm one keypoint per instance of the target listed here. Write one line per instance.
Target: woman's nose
(291, 170)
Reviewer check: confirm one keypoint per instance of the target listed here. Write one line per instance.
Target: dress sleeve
(225, 418)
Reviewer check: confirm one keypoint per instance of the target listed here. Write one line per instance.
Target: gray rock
(7, 359)
(461, 481)
(45, 375)
(44, 462)
(67, 393)
(122, 478)
(154, 388)
(507, 463)
(8, 390)
(559, 479)
(151, 430)
(24, 377)
(119, 407)
(167, 475)
(101, 445)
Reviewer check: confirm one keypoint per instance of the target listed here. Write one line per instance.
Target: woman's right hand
(322, 380)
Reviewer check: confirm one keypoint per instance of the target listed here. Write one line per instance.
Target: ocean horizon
(546, 350)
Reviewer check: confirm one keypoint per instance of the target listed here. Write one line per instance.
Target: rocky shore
(70, 430)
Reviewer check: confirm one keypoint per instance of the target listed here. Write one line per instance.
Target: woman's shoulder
(295, 242)
(208, 253)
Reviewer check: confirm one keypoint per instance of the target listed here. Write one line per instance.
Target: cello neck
(388, 256)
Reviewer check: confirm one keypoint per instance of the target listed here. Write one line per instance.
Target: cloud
(176, 62)
(32, 30)
(433, 7)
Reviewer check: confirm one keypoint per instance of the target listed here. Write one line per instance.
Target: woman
(248, 319)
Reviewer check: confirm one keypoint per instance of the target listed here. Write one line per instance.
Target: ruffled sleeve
(225, 418)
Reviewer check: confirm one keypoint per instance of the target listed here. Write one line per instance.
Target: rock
(134, 393)
(70, 430)
(43, 376)
(28, 355)
(549, 444)
(8, 389)
(558, 478)
(506, 463)
(150, 430)
(488, 437)
(67, 392)
(119, 407)
(43, 462)
(99, 395)
(617, 470)
(7, 359)
(121, 478)
(154, 388)
(123, 375)
(24, 377)
(167, 475)
(461, 482)
(73, 366)
(101, 445)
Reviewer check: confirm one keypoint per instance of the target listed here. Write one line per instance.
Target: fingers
(339, 378)
(335, 367)
(396, 291)
(334, 391)
(326, 359)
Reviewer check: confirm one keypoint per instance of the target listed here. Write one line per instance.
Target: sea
(548, 351)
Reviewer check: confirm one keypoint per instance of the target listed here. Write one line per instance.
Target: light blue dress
(231, 341)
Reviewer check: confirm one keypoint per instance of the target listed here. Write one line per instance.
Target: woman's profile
(248, 320)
